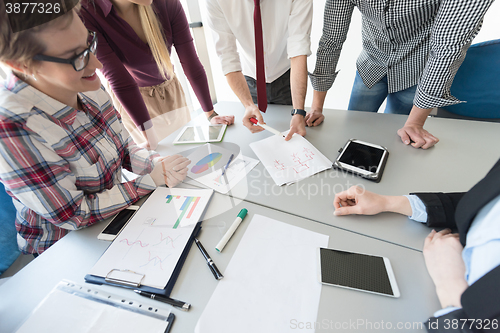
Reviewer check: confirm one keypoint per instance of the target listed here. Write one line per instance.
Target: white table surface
(73, 256)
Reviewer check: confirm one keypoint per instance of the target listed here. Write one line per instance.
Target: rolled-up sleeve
(336, 23)
(299, 28)
(225, 41)
(455, 26)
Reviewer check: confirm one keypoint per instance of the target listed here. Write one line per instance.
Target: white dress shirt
(286, 26)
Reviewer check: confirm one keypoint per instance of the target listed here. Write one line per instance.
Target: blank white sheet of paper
(290, 161)
(270, 281)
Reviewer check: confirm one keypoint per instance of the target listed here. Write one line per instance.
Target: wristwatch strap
(214, 114)
(299, 111)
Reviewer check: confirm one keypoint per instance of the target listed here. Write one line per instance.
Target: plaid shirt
(62, 166)
(412, 42)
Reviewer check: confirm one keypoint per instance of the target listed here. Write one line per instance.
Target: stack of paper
(290, 161)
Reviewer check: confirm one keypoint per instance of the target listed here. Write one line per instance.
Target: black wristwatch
(299, 111)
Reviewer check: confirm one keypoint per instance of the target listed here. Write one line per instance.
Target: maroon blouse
(128, 62)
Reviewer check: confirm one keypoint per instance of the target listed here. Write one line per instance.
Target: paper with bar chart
(155, 238)
(207, 166)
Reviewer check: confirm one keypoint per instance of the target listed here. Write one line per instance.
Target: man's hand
(297, 125)
(413, 130)
(416, 133)
(252, 111)
(314, 118)
(357, 200)
(443, 258)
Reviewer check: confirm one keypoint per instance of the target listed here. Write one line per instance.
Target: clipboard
(88, 310)
(132, 280)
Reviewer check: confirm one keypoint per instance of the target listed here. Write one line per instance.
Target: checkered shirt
(62, 166)
(413, 42)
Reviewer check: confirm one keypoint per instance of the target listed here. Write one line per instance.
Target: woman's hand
(170, 170)
(443, 258)
(225, 120)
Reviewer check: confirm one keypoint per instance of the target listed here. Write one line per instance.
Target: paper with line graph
(290, 161)
(155, 238)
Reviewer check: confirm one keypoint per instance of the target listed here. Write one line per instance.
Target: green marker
(231, 230)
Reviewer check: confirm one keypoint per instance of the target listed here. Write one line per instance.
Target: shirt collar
(38, 99)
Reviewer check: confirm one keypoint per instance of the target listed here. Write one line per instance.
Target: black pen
(210, 262)
(180, 304)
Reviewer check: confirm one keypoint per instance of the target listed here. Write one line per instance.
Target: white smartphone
(357, 271)
(117, 223)
(201, 134)
(362, 158)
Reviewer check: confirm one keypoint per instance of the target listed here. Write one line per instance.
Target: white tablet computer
(357, 271)
(201, 134)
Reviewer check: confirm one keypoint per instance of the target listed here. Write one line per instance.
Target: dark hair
(22, 46)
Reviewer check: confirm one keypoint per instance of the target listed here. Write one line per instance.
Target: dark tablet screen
(354, 270)
(362, 156)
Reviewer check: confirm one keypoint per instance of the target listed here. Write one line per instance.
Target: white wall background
(338, 96)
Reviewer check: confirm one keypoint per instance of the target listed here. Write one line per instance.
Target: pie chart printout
(206, 162)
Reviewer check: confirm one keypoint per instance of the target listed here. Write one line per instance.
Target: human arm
(413, 131)
(191, 64)
(480, 308)
(443, 259)
(476, 307)
(238, 84)
(166, 170)
(315, 116)
(225, 46)
(122, 83)
(72, 192)
(298, 85)
(298, 49)
(440, 207)
(357, 200)
(337, 18)
(451, 36)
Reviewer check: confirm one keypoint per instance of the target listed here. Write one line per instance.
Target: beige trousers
(167, 107)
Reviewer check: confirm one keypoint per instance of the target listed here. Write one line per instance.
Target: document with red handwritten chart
(290, 161)
(152, 242)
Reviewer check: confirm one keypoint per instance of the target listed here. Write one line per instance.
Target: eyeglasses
(81, 60)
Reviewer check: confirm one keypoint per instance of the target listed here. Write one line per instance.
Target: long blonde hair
(156, 40)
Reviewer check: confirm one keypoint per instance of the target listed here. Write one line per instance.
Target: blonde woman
(135, 39)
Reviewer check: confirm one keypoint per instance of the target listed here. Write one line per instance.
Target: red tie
(259, 59)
